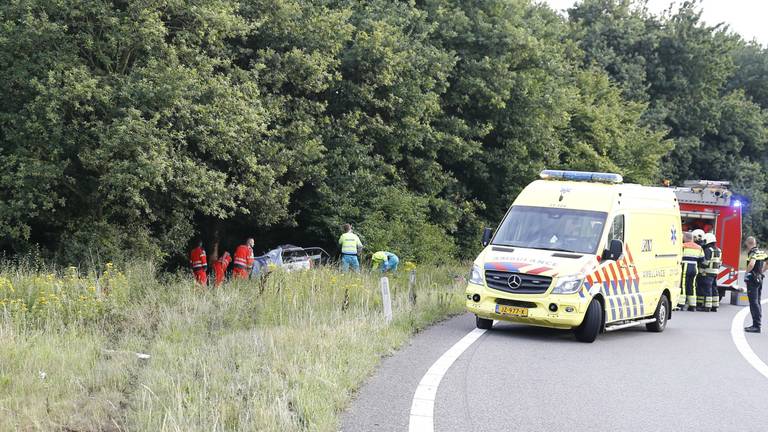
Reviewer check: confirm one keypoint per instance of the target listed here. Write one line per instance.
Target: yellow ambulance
(582, 251)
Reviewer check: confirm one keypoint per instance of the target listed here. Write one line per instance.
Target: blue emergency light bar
(581, 176)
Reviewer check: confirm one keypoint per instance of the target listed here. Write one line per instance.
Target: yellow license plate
(511, 310)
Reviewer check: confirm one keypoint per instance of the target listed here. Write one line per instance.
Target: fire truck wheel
(590, 327)
(661, 315)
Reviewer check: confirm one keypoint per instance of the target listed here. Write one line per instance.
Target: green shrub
(399, 223)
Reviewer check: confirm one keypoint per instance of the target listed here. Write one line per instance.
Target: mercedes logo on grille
(514, 281)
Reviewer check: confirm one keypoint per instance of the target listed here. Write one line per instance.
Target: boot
(714, 309)
(701, 309)
(752, 329)
(691, 308)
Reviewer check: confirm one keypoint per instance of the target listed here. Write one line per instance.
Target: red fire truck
(711, 206)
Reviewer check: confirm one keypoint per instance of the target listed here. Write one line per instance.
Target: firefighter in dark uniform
(713, 258)
(754, 279)
(698, 238)
(692, 256)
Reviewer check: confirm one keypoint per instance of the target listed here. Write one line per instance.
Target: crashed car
(290, 258)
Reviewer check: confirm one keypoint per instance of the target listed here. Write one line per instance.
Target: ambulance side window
(617, 229)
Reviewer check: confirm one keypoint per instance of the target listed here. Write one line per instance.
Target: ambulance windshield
(552, 229)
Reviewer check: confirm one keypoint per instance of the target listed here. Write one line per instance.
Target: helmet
(709, 238)
(698, 235)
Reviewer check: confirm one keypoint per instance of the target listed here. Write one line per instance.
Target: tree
(123, 122)
(698, 82)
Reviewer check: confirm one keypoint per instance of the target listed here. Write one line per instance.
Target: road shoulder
(384, 403)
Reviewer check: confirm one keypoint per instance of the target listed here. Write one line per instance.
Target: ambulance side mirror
(487, 234)
(614, 251)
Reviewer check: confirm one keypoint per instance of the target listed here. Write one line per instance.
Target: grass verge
(284, 354)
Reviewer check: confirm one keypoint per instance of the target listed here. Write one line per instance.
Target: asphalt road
(518, 378)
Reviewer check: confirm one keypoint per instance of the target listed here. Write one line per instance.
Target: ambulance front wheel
(661, 315)
(482, 323)
(590, 327)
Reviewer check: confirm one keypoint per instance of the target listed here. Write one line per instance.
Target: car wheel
(483, 323)
(590, 327)
(661, 315)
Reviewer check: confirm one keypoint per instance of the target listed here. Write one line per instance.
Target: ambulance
(581, 251)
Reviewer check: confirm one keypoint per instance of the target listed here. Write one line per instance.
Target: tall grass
(285, 353)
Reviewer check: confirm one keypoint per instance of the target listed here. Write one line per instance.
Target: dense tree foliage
(703, 84)
(130, 127)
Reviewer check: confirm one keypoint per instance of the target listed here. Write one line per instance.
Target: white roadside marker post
(386, 299)
(412, 287)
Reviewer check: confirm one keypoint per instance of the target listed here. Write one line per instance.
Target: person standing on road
(698, 238)
(351, 246)
(243, 260)
(692, 256)
(713, 258)
(753, 277)
(199, 263)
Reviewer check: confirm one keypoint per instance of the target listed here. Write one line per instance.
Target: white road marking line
(423, 405)
(740, 340)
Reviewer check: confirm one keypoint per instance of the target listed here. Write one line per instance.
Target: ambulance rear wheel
(590, 327)
(482, 323)
(661, 315)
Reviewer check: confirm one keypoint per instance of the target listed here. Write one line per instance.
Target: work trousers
(702, 289)
(201, 276)
(754, 292)
(240, 272)
(711, 298)
(688, 284)
(715, 294)
(220, 272)
(390, 265)
(348, 261)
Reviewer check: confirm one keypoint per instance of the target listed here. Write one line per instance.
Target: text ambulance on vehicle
(582, 251)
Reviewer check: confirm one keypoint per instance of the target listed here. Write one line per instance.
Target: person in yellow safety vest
(753, 276)
(351, 246)
(692, 256)
(386, 261)
(713, 258)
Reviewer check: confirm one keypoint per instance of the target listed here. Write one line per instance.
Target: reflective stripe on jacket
(349, 243)
(244, 257)
(760, 257)
(711, 264)
(692, 253)
(225, 259)
(197, 259)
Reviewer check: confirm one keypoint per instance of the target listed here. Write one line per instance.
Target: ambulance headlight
(568, 284)
(476, 275)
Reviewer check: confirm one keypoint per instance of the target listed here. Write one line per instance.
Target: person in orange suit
(220, 268)
(199, 263)
(243, 260)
